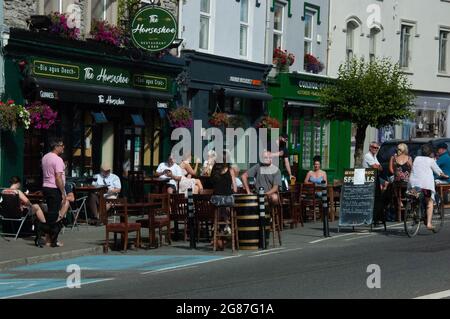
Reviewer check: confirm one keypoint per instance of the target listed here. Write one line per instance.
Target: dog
(52, 229)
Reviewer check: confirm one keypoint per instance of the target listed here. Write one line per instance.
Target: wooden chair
(161, 216)
(399, 198)
(310, 204)
(178, 212)
(204, 213)
(275, 211)
(123, 227)
(231, 222)
(136, 187)
(290, 202)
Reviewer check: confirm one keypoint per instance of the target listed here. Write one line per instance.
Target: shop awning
(94, 94)
(246, 94)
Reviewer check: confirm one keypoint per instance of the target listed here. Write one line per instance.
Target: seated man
(443, 163)
(171, 170)
(25, 204)
(266, 175)
(105, 178)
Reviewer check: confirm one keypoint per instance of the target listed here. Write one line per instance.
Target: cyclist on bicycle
(422, 177)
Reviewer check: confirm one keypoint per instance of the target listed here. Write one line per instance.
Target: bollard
(190, 208)
(262, 218)
(326, 228)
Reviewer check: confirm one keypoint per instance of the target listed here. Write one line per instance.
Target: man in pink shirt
(54, 180)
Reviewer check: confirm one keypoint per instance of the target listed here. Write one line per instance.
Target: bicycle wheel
(412, 219)
(438, 217)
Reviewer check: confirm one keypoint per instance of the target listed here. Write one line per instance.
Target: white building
(413, 32)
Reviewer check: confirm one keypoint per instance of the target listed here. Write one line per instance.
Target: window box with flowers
(63, 26)
(282, 60)
(13, 116)
(104, 32)
(312, 64)
(41, 115)
(180, 117)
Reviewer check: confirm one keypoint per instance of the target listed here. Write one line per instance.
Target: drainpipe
(267, 56)
(329, 37)
(2, 43)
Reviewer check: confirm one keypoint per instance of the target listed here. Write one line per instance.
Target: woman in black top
(223, 178)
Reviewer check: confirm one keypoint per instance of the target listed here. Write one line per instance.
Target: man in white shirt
(370, 159)
(171, 170)
(105, 178)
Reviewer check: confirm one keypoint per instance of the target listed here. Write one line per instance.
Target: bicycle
(415, 213)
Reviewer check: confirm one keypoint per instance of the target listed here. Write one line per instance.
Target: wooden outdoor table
(35, 198)
(100, 191)
(136, 209)
(330, 192)
(442, 189)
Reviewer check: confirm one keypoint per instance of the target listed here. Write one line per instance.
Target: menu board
(358, 197)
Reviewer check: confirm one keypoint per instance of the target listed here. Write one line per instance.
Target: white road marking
(438, 295)
(187, 265)
(365, 236)
(275, 252)
(171, 269)
(56, 288)
(267, 250)
(328, 238)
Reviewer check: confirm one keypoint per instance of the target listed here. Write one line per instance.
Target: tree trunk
(359, 146)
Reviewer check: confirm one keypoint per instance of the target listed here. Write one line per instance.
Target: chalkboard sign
(358, 197)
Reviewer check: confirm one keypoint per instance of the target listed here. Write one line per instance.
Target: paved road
(318, 268)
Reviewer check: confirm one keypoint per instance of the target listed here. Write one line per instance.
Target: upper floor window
(278, 18)
(57, 6)
(405, 45)
(205, 19)
(100, 9)
(309, 24)
(350, 43)
(244, 27)
(444, 50)
(373, 38)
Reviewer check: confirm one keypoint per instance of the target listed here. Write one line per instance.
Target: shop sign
(52, 95)
(309, 87)
(109, 100)
(153, 29)
(99, 75)
(245, 81)
(150, 82)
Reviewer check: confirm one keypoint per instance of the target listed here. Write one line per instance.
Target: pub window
(57, 5)
(205, 20)
(244, 29)
(82, 144)
(101, 10)
(278, 17)
(443, 51)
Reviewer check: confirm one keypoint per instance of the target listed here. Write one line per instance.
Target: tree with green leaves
(375, 94)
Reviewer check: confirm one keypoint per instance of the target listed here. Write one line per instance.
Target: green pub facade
(111, 105)
(295, 104)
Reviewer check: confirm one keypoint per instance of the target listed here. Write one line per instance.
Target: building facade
(110, 101)
(415, 34)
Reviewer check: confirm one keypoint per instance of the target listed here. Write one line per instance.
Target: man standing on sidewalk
(54, 180)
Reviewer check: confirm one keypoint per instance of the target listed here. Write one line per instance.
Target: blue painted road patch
(10, 288)
(115, 263)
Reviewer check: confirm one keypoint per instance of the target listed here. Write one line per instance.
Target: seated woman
(24, 201)
(316, 176)
(187, 181)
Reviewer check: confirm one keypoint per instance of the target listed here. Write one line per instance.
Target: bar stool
(231, 222)
(275, 210)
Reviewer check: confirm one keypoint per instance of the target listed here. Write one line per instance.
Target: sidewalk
(89, 240)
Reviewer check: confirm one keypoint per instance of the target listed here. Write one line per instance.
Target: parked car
(388, 148)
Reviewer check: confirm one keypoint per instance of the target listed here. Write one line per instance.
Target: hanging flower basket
(104, 32)
(219, 119)
(312, 64)
(42, 116)
(13, 116)
(268, 122)
(181, 117)
(283, 59)
(63, 26)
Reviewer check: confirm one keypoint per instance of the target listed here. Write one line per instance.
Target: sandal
(432, 229)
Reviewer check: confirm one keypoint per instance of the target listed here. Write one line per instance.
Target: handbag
(222, 200)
